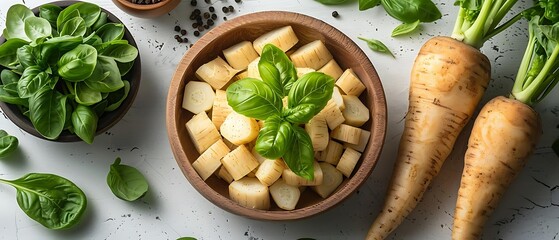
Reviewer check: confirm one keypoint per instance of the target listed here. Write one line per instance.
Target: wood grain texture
(108, 119)
(147, 10)
(249, 27)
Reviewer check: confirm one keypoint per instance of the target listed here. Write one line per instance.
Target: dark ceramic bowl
(108, 119)
(147, 10)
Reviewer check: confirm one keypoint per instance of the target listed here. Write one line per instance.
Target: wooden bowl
(108, 119)
(249, 27)
(147, 10)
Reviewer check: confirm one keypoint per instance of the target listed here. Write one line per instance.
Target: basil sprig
(281, 136)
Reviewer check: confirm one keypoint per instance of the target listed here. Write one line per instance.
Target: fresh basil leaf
(102, 20)
(301, 113)
(287, 72)
(53, 201)
(32, 80)
(85, 95)
(73, 27)
(106, 76)
(15, 22)
(66, 15)
(555, 147)
(47, 111)
(8, 144)
(405, 28)
(314, 88)
(366, 4)
(7, 95)
(89, 12)
(110, 32)
(77, 64)
(270, 75)
(377, 46)
(126, 182)
(300, 156)
(36, 27)
(186, 238)
(409, 11)
(8, 51)
(254, 98)
(50, 13)
(120, 52)
(331, 2)
(26, 55)
(7, 77)
(274, 138)
(115, 99)
(84, 123)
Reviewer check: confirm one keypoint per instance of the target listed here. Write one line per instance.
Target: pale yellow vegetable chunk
(318, 132)
(333, 114)
(240, 55)
(293, 179)
(220, 109)
(355, 113)
(332, 153)
(250, 193)
(338, 99)
(198, 97)
(210, 160)
(302, 71)
(285, 195)
(363, 140)
(239, 162)
(252, 69)
(269, 171)
(312, 55)
(346, 133)
(332, 179)
(224, 175)
(258, 156)
(239, 129)
(348, 161)
(202, 131)
(284, 38)
(332, 69)
(350, 84)
(216, 72)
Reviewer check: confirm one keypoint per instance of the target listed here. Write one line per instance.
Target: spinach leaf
(99, 108)
(405, 28)
(50, 13)
(8, 51)
(331, 2)
(36, 27)
(300, 156)
(26, 55)
(115, 99)
(366, 4)
(7, 95)
(8, 144)
(254, 98)
(120, 52)
(78, 63)
(53, 201)
(284, 76)
(89, 12)
(110, 32)
(126, 182)
(32, 80)
(100, 21)
(106, 76)
(274, 138)
(15, 22)
(409, 11)
(47, 111)
(186, 238)
(84, 123)
(124, 68)
(66, 15)
(73, 27)
(85, 95)
(7, 77)
(377, 46)
(64, 43)
(312, 88)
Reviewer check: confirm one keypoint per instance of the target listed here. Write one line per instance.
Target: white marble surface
(172, 208)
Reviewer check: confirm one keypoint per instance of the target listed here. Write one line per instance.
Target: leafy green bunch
(64, 68)
(281, 136)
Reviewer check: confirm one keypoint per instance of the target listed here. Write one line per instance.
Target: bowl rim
(144, 7)
(378, 133)
(13, 113)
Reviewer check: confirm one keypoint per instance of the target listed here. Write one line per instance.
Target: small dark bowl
(108, 119)
(147, 10)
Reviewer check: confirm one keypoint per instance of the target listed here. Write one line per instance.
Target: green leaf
(300, 156)
(85, 95)
(555, 147)
(366, 4)
(301, 113)
(88, 11)
(47, 111)
(314, 88)
(115, 99)
(36, 27)
(73, 27)
(186, 238)
(77, 64)
(32, 80)
(274, 139)
(120, 52)
(102, 20)
(331, 2)
(7, 95)
(64, 16)
(285, 74)
(53, 201)
(84, 123)
(405, 28)
(110, 32)
(8, 144)
(27, 57)
(106, 76)
(7, 77)
(254, 98)
(50, 12)
(124, 68)
(126, 182)
(377, 46)
(409, 11)
(15, 22)
(8, 51)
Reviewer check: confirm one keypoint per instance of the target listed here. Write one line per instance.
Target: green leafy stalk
(478, 20)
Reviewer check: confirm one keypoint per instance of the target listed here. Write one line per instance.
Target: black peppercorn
(225, 9)
(194, 25)
(177, 28)
(193, 3)
(196, 33)
(212, 9)
(185, 40)
(214, 16)
(179, 40)
(210, 22)
(206, 26)
(238, 1)
(231, 9)
(206, 15)
(224, 18)
(335, 14)
(177, 36)
(201, 28)
(197, 12)
(183, 32)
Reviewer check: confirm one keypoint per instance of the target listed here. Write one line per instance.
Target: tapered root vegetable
(350, 84)
(346, 133)
(332, 153)
(198, 97)
(363, 140)
(223, 174)
(250, 193)
(331, 180)
(355, 113)
(504, 135)
(284, 38)
(239, 162)
(447, 82)
(332, 69)
(210, 160)
(220, 109)
(252, 69)
(295, 180)
(338, 98)
(302, 71)
(269, 171)
(318, 132)
(202, 131)
(333, 114)
(216, 72)
(348, 161)
(312, 55)
(285, 195)
(239, 129)
(240, 55)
